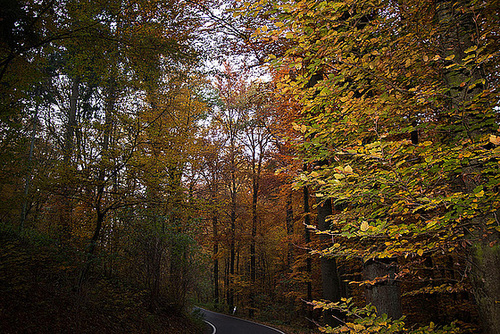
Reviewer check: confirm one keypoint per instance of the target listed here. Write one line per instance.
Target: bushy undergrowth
(39, 294)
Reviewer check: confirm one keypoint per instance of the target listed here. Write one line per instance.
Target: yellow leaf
(338, 176)
(364, 226)
(472, 48)
(480, 194)
(420, 252)
(359, 328)
(348, 169)
(495, 140)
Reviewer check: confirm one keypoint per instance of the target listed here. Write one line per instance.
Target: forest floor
(38, 295)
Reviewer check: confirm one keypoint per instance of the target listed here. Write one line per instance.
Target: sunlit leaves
(365, 320)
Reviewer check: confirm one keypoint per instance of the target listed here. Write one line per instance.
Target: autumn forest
(318, 166)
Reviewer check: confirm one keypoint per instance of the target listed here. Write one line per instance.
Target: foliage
(399, 121)
(105, 94)
(365, 320)
(141, 171)
(38, 294)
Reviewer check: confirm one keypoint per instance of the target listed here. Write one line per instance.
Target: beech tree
(405, 112)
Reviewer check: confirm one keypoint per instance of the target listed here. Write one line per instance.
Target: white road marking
(215, 329)
(250, 321)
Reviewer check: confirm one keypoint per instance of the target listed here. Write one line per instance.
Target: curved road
(225, 324)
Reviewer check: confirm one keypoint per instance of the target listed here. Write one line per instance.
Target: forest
(320, 166)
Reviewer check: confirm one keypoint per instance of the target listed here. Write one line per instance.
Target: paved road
(224, 324)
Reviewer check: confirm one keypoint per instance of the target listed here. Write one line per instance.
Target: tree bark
(307, 237)
(330, 278)
(384, 294)
(65, 212)
(486, 281)
(216, 259)
(230, 294)
(71, 125)
(29, 164)
(329, 272)
(289, 229)
(459, 33)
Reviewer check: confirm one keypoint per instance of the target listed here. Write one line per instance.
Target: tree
(256, 140)
(98, 65)
(389, 71)
(231, 89)
(211, 171)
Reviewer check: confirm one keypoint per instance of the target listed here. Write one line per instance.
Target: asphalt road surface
(224, 324)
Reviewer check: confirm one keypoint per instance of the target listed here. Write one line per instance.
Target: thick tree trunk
(486, 281)
(484, 254)
(329, 272)
(330, 278)
(459, 33)
(384, 294)
(91, 250)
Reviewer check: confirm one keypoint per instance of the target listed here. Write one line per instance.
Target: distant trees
(238, 140)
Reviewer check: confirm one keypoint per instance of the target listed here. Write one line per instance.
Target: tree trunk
(459, 33)
(65, 212)
(384, 294)
(486, 281)
(307, 237)
(216, 259)
(329, 272)
(71, 125)
(289, 230)
(29, 176)
(101, 184)
(330, 278)
(232, 255)
(255, 197)
(230, 295)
